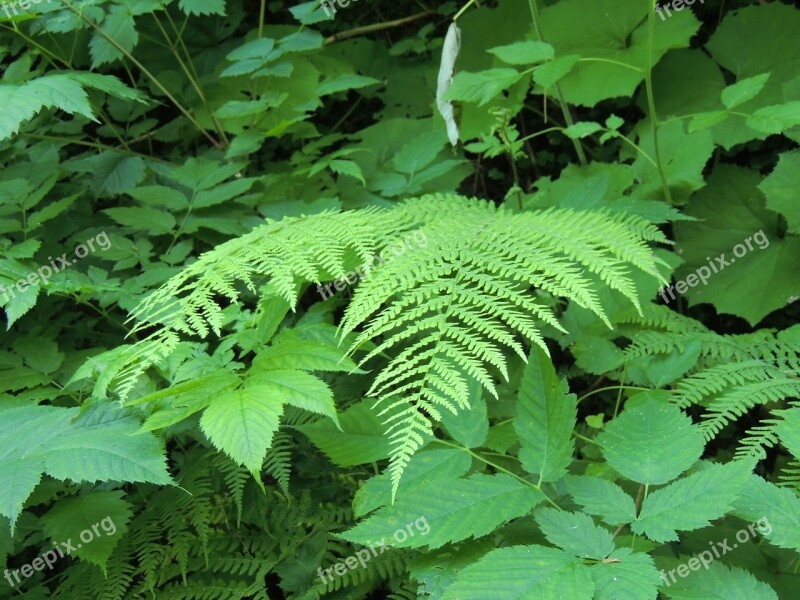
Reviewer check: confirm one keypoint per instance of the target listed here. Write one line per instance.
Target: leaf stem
(651, 105)
(564, 108)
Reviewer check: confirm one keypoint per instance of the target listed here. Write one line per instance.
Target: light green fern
(443, 311)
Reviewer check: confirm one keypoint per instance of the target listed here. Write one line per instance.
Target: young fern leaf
(448, 311)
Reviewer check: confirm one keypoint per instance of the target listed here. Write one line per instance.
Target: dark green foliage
(272, 335)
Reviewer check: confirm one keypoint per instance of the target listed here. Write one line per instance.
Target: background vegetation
(517, 380)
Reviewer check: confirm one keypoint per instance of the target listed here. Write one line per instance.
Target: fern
(448, 311)
(444, 312)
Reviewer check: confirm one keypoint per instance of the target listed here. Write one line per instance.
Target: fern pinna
(442, 313)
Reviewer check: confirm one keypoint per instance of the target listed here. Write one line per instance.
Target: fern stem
(651, 105)
(98, 145)
(564, 108)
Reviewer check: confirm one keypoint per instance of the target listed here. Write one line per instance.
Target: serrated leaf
(582, 129)
(575, 532)
(743, 90)
(776, 509)
(424, 466)
(788, 430)
(692, 502)
(97, 445)
(626, 575)
(296, 388)
(203, 7)
(780, 189)
(602, 498)
(523, 573)
(454, 509)
(546, 416)
(70, 518)
(289, 351)
(118, 26)
(651, 441)
(469, 427)
(775, 119)
(718, 582)
(151, 220)
(361, 439)
(482, 86)
(524, 53)
(242, 422)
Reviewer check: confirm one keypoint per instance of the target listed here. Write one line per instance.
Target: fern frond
(450, 311)
(735, 403)
(278, 462)
(235, 477)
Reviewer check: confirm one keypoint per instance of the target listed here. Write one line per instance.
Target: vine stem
(651, 104)
(377, 27)
(559, 96)
(501, 469)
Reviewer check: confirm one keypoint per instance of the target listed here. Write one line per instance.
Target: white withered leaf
(452, 44)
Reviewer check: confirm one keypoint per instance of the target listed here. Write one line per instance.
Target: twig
(377, 27)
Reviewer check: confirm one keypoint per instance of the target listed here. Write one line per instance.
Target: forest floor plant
(515, 374)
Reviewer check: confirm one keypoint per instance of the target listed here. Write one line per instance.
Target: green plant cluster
(520, 382)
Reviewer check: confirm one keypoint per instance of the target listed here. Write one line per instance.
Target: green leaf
(524, 53)
(97, 445)
(120, 27)
(469, 427)
(103, 514)
(743, 90)
(361, 439)
(423, 467)
(151, 220)
(455, 509)
(602, 498)
(203, 7)
(775, 119)
(344, 82)
(523, 573)
(242, 422)
(296, 388)
(651, 441)
(347, 167)
(575, 532)
(483, 86)
(546, 416)
(730, 211)
(116, 173)
(290, 351)
(692, 502)
(780, 189)
(788, 430)
(582, 129)
(39, 354)
(718, 582)
(775, 509)
(548, 74)
(626, 575)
